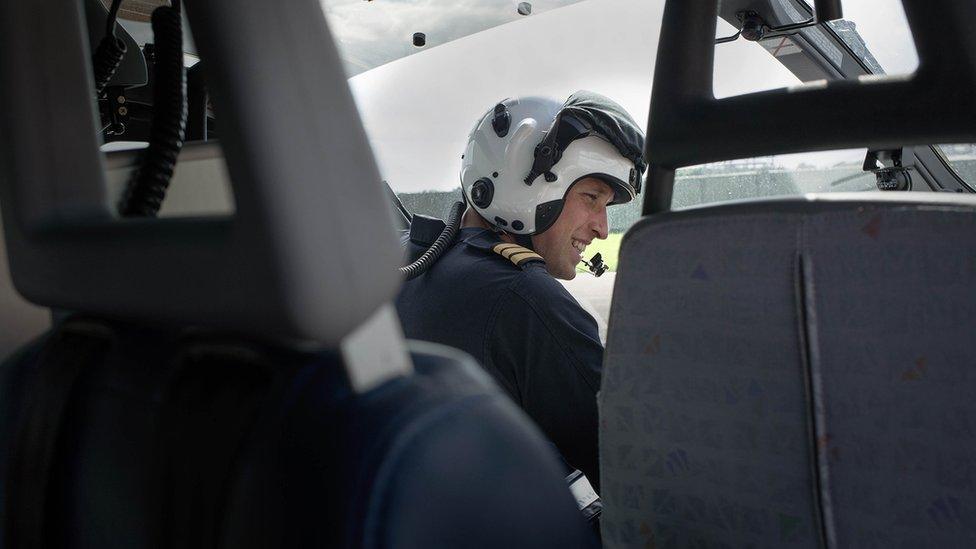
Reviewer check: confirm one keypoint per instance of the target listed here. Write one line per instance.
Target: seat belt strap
(60, 363)
(209, 407)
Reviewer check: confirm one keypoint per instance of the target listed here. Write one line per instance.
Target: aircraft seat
(181, 439)
(236, 376)
(794, 373)
(22, 321)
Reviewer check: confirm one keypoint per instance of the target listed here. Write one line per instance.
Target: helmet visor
(589, 114)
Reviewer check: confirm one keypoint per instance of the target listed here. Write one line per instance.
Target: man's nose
(600, 224)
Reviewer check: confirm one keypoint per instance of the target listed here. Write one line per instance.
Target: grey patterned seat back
(794, 373)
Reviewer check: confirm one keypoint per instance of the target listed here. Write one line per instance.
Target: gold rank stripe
(515, 253)
(519, 258)
(503, 247)
(508, 250)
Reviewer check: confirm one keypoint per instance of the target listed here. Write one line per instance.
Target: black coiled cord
(107, 58)
(109, 53)
(146, 189)
(443, 242)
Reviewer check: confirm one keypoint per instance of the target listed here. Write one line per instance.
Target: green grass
(609, 249)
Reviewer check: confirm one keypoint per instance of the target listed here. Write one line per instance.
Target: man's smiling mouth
(579, 245)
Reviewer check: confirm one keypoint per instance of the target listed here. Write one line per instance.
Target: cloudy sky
(418, 105)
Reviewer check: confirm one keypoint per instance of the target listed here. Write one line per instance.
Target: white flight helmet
(525, 154)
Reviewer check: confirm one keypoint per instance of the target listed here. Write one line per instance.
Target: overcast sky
(419, 109)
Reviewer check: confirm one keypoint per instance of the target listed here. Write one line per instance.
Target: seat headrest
(309, 252)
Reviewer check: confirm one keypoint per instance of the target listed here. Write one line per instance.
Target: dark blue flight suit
(522, 325)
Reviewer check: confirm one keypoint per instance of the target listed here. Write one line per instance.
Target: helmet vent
(501, 221)
(482, 192)
(501, 121)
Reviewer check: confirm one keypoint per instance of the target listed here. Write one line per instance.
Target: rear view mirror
(753, 27)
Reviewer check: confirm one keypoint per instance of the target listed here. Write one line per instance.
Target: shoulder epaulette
(516, 254)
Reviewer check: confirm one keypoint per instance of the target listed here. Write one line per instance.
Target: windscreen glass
(961, 157)
(418, 110)
(742, 66)
(770, 176)
(873, 38)
(372, 33)
(877, 31)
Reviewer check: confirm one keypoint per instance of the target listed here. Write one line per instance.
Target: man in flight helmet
(537, 176)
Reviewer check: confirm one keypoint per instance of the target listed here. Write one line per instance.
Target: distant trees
(438, 203)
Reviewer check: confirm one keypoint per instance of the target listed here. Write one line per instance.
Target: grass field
(608, 249)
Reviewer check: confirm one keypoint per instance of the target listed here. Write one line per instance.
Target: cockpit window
(370, 34)
(961, 157)
(878, 33)
(768, 176)
(872, 39)
(419, 103)
(419, 109)
(742, 66)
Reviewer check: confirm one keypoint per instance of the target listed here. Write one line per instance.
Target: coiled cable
(109, 53)
(443, 242)
(147, 187)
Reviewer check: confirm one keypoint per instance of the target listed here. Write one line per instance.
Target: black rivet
(494, 174)
(501, 221)
(518, 225)
(550, 177)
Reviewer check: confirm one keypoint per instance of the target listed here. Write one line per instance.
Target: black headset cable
(108, 55)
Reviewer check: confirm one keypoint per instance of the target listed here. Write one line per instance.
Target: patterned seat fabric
(793, 374)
